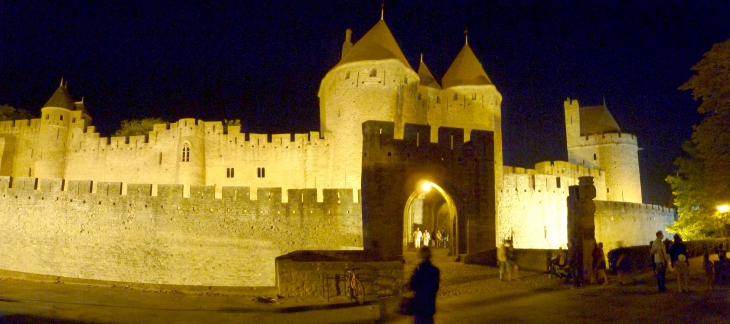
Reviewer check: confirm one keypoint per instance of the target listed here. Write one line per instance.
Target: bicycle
(355, 289)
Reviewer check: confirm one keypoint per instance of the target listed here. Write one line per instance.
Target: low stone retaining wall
(321, 273)
(532, 259)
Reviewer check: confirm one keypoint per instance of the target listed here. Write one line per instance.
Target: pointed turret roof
(597, 120)
(377, 44)
(61, 98)
(465, 70)
(426, 77)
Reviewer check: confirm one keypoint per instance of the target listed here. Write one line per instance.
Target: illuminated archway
(409, 221)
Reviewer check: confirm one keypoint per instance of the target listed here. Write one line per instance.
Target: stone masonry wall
(629, 224)
(57, 227)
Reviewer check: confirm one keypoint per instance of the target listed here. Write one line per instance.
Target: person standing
(660, 258)
(445, 234)
(709, 273)
(426, 238)
(439, 239)
(424, 283)
(678, 248)
(502, 261)
(512, 261)
(599, 263)
(575, 260)
(682, 268)
(417, 236)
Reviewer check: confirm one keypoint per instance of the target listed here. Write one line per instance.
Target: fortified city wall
(218, 156)
(56, 227)
(533, 209)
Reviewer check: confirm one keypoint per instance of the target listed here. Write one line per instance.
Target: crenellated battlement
(608, 138)
(20, 126)
(416, 145)
(646, 210)
(86, 189)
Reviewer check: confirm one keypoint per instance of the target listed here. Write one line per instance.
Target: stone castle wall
(629, 224)
(533, 209)
(57, 227)
(218, 156)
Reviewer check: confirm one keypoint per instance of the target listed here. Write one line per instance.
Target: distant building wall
(166, 239)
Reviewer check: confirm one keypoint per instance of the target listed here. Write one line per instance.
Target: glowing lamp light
(723, 208)
(425, 186)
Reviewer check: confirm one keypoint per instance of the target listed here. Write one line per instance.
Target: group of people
(440, 238)
(673, 255)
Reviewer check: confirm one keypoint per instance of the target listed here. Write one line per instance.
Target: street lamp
(723, 208)
(425, 186)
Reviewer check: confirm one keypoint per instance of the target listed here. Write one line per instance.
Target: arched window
(373, 73)
(186, 152)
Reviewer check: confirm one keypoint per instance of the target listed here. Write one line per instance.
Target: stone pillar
(581, 220)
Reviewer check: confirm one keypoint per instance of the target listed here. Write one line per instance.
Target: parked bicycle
(355, 289)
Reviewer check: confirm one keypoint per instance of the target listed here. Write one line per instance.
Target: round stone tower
(595, 140)
(469, 100)
(372, 81)
(50, 158)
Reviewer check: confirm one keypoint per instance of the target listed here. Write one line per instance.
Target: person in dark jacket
(424, 283)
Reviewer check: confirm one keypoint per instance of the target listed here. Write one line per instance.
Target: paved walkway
(469, 294)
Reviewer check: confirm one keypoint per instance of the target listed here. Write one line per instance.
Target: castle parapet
(609, 138)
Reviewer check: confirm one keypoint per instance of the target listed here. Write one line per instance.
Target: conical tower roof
(465, 70)
(61, 99)
(377, 44)
(597, 120)
(426, 77)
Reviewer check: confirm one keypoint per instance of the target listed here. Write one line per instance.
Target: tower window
(347, 75)
(229, 173)
(61, 117)
(594, 156)
(473, 96)
(456, 97)
(419, 96)
(373, 73)
(438, 99)
(48, 116)
(186, 152)
(557, 182)
(262, 172)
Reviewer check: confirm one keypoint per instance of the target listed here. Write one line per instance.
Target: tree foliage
(702, 180)
(132, 127)
(8, 112)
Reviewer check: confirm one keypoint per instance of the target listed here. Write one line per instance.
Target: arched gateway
(392, 170)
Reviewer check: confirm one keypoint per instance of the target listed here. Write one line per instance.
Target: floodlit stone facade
(200, 203)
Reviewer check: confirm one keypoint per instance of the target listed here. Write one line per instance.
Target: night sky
(262, 62)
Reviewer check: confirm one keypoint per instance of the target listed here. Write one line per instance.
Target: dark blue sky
(262, 62)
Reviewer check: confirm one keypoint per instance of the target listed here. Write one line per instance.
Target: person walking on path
(425, 284)
(417, 236)
(512, 261)
(426, 238)
(502, 261)
(599, 263)
(439, 239)
(660, 258)
(445, 234)
(709, 274)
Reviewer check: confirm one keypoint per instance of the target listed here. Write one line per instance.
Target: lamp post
(723, 209)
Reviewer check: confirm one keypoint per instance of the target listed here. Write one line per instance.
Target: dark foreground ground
(469, 294)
